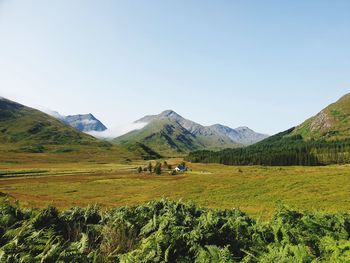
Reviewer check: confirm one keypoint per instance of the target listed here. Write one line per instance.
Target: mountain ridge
(159, 134)
(166, 136)
(238, 135)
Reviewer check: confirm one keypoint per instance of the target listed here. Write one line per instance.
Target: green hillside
(26, 126)
(331, 124)
(321, 140)
(27, 134)
(164, 136)
(168, 137)
(141, 150)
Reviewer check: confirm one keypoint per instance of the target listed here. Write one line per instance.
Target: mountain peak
(243, 128)
(82, 122)
(164, 114)
(85, 122)
(216, 136)
(243, 135)
(86, 116)
(167, 112)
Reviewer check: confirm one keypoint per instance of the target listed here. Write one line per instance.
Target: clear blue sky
(264, 64)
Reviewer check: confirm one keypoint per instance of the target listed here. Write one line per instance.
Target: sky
(267, 65)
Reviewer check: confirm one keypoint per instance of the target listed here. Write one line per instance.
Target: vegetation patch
(21, 172)
(64, 150)
(169, 231)
(38, 148)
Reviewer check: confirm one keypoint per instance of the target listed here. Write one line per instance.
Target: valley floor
(254, 189)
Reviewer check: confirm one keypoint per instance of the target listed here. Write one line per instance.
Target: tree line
(281, 149)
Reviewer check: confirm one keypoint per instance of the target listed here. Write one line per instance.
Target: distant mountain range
(168, 133)
(320, 140)
(171, 134)
(82, 122)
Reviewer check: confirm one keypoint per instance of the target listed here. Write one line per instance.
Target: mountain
(192, 127)
(82, 122)
(27, 130)
(240, 135)
(322, 139)
(21, 124)
(170, 133)
(165, 136)
(332, 123)
(243, 135)
(85, 122)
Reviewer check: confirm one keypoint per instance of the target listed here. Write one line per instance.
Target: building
(180, 168)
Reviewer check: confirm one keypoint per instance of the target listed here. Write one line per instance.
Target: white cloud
(117, 131)
(107, 134)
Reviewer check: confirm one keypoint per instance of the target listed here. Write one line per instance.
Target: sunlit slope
(27, 134)
(170, 138)
(332, 123)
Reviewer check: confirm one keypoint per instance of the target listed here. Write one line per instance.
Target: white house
(180, 168)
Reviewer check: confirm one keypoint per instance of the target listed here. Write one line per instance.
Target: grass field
(253, 189)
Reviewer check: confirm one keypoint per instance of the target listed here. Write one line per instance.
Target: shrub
(168, 231)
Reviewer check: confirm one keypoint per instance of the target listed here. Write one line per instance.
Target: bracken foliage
(169, 231)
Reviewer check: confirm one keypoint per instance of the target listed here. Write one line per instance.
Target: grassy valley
(254, 189)
(174, 131)
(128, 225)
(49, 167)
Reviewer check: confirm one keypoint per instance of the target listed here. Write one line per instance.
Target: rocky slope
(82, 122)
(332, 123)
(170, 134)
(240, 135)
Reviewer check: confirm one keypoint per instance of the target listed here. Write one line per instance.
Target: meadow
(255, 190)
